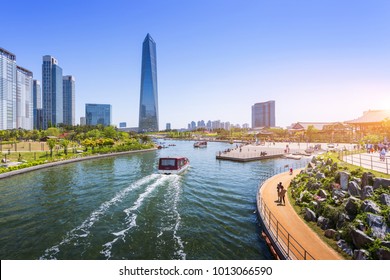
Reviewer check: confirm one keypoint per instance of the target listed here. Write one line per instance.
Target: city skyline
(318, 61)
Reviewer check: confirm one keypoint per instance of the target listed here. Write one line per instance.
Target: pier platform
(253, 152)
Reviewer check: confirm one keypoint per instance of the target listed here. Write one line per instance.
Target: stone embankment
(351, 206)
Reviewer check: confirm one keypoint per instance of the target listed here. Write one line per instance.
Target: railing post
(288, 244)
(277, 230)
(387, 166)
(371, 163)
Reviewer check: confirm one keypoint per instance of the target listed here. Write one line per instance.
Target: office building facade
(263, 114)
(7, 90)
(148, 109)
(98, 114)
(68, 83)
(24, 99)
(52, 92)
(37, 104)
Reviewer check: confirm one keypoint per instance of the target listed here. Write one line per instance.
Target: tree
(110, 132)
(51, 143)
(52, 131)
(94, 133)
(65, 143)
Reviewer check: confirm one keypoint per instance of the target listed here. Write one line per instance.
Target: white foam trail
(180, 243)
(82, 230)
(131, 216)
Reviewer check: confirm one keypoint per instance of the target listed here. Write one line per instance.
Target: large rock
(313, 186)
(338, 194)
(360, 239)
(342, 220)
(381, 182)
(352, 206)
(310, 215)
(370, 206)
(384, 198)
(320, 176)
(383, 254)
(354, 188)
(361, 254)
(367, 191)
(344, 178)
(367, 179)
(322, 193)
(331, 233)
(323, 222)
(343, 245)
(378, 226)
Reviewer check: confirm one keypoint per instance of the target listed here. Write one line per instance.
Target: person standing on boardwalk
(291, 170)
(282, 193)
(278, 191)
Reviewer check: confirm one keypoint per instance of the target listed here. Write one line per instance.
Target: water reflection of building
(148, 109)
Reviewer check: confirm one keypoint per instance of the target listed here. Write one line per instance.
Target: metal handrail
(288, 246)
(365, 160)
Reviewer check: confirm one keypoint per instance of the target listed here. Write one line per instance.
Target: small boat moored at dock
(173, 165)
(200, 144)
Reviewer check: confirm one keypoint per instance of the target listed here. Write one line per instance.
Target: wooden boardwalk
(286, 228)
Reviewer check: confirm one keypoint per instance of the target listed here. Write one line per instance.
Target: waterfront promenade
(288, 231)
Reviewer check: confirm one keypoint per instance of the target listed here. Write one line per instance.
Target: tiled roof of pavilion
(372, 116)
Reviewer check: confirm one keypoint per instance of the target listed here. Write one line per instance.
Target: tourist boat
(200, 144)
(173, 165)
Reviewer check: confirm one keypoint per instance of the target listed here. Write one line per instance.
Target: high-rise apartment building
(263, 114)
(16, 93)
(148, 108)
(69, 99)
(24, 98)
(37, 104)
(7, 90)
(52, 92)
(98, 114)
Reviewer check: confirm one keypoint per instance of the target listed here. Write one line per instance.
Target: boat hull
(174, 171)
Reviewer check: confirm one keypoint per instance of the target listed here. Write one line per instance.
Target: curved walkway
(289, 222)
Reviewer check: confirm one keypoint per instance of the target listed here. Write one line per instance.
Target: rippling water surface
(120, 208)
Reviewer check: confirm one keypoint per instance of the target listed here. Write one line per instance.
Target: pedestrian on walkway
(278, 191)
(291, 170)
(382, 154)
(282, 194)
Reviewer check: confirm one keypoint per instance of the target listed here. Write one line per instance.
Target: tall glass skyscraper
(7, 90)
(69, 99)
(263, 114)
(148, 107)
(24, 98)
(37, 104)
(52, 92)
(98, 114)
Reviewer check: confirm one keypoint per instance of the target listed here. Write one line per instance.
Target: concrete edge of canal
(56, 163)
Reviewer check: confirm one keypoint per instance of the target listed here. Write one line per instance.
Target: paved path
(292, 223)
(369, 161)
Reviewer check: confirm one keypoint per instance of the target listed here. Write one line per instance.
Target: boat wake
(131, 216)
(173, 182)
(83, 230)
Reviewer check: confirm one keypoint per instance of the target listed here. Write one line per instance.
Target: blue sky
(319, 60)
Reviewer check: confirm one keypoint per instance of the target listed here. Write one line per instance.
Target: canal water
(120, 208)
